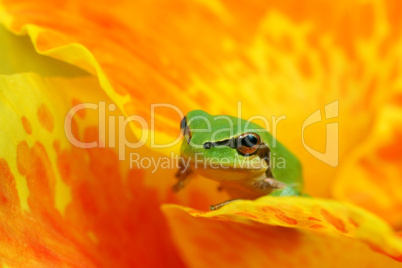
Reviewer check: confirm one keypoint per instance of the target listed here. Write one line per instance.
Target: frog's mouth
(228, 142)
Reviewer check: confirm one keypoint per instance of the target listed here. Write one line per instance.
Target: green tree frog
(243, 157)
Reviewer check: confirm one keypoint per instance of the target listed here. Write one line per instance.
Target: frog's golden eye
(248, 143)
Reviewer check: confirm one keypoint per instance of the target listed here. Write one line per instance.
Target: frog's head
(223, 147)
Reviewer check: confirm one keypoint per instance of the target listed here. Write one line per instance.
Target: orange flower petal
(308, 215)
(376, 167)
(278, 59)
(205, 242)
(64, 205)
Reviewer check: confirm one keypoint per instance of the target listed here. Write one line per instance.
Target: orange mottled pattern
(309, 214)
(38, 238)
(52, 239)
(61, 205)
(109, 217)
(27, 126)
(81, 113)
(224, 243)
(123, 216)
(279, 58)
(280, 215)
(45, 118)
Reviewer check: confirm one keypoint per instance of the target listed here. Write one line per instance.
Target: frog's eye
(248, 143)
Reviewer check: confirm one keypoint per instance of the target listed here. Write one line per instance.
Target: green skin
(271, 169)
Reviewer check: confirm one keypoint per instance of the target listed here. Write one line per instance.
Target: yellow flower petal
(65, 205)
(307, 214)
(206, 242)
(376, 167)
(277, 59)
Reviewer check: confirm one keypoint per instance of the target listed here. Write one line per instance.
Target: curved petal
(275, 49)
(309, 215)
(205, 242)
(66, 205)
(277, 61)
(376, 167)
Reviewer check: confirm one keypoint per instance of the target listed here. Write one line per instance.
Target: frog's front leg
(182, 176)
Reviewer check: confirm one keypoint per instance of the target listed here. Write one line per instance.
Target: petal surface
(309, 222)
(376, 167)
(279, 62)
(276, 60)
(65, 205)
